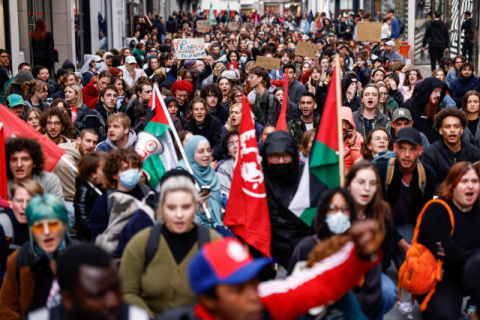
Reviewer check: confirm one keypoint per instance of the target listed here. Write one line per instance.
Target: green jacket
(392, 103)
(297, 128)
(164, 284)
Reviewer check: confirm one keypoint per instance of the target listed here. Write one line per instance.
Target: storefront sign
(203, 26)
(233, 26)
(305, 49)
(268, 63)
(369, 31)
(189, 48)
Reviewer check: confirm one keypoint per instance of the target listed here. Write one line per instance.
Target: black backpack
(154, 241)
(402, 26)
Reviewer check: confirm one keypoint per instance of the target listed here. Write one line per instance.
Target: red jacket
(328, 281)
(90, 95)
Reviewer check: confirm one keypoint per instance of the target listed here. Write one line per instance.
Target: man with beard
(90, 288)
(216, 52)
(412, 185)
(425, 106)
(454, 73)
(444, 153)
(213, 95)
(353, 139)
(282, 175)
(56, 123)
(368, 117)
(120, 134)
(97, 118)
(466, 82)
(307, 120)
(67, 167)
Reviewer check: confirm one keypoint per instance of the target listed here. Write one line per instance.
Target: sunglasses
(52, 224)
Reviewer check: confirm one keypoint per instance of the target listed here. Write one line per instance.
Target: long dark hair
(378, 209)
(321, 228)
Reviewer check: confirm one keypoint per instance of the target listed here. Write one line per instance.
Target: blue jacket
(395, 25)
(107, 145)
(460, 86)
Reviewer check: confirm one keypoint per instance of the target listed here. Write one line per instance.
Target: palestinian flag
(322, 168)
(211, 17)
(228, 14)
(158, 123)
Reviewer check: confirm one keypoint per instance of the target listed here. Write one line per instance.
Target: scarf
(205, 176)
(140, 52)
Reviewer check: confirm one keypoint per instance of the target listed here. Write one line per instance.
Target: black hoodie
(68, 65)
(418, 104)
(287, 229)
(436, 35)
(355, 103)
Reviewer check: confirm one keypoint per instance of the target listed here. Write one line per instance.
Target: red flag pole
(3, 166)
(282, 118)
(341, 149)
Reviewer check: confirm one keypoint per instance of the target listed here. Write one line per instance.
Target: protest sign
(268, 63)
(203, 25)
(305, 49)
(189, 48)
(369, 31)
(233, 26)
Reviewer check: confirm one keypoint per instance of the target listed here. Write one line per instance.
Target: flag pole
(341, 149)
(180, 147)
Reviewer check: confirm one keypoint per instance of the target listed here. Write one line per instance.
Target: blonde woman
(73, 95)
(235, 118)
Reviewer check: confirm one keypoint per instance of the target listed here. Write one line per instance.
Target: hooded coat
(355, 103)
(436, 35)
(16, 85)
(212, 130)
(90, 95)
(417, 107)
(108, 145)
(65, 172)
(183, 122)
(287, 228)
(351, 152)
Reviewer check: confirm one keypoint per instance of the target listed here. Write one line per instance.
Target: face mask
(280, 170)
(232, 36)
(130, 178)
(338, 222)
(243, 59)
(98, 65)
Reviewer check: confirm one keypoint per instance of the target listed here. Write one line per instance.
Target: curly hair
(30, 87)
(33, 147)
(449, 112)
(209, 89)
(365, 151)
(114, 161)
(232, 92)
(67, 122)
(182, 85)
(227, 136)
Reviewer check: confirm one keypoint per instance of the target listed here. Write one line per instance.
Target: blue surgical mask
(338, 222)
(130, 178)
(98, 65)
(243, 59)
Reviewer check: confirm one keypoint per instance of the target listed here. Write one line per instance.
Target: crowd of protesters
(66, 253)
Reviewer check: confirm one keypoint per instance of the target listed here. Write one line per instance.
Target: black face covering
(281, 170)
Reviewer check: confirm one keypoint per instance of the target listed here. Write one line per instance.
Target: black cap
(176, 173)
(409, 135)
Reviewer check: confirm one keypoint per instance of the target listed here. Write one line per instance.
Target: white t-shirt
(309, 126)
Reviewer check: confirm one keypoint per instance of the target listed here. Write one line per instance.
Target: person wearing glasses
(4, 63)
(383, 99)
(282, 171)
(30, 281)
(375, 144)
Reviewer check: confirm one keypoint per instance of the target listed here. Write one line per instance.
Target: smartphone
(206, 189)
(409, 62)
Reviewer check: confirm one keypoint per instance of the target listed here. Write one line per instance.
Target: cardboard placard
(193, 48)
(233, 26)
(305, 49)
(268, 63)
(203, 26)
(369, 31)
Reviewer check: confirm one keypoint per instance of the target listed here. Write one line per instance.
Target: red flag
(3, 166)
(282, 118)
(247, 209)
(16, 127)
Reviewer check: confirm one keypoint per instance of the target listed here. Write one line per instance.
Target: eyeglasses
(52, 224)
(232, 144)
(276, 157)
(5, 57)
(238, 96)
(381, 139)
(334, 208)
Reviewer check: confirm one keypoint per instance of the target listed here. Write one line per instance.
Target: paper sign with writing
(305, 49)
(369, 31)
(233, 26)
(189, 48)
(203, 25)
(268, 63)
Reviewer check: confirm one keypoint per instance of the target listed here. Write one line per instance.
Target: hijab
(205, 176)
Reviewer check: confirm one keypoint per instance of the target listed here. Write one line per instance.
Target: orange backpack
(420, 271)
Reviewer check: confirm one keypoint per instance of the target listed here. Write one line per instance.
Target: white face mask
(338, 222)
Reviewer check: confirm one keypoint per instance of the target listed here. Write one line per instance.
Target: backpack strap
(420, 217)
(23, 259)
(7, 225)
(422, 177)
(390, 171)
(152, 244)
